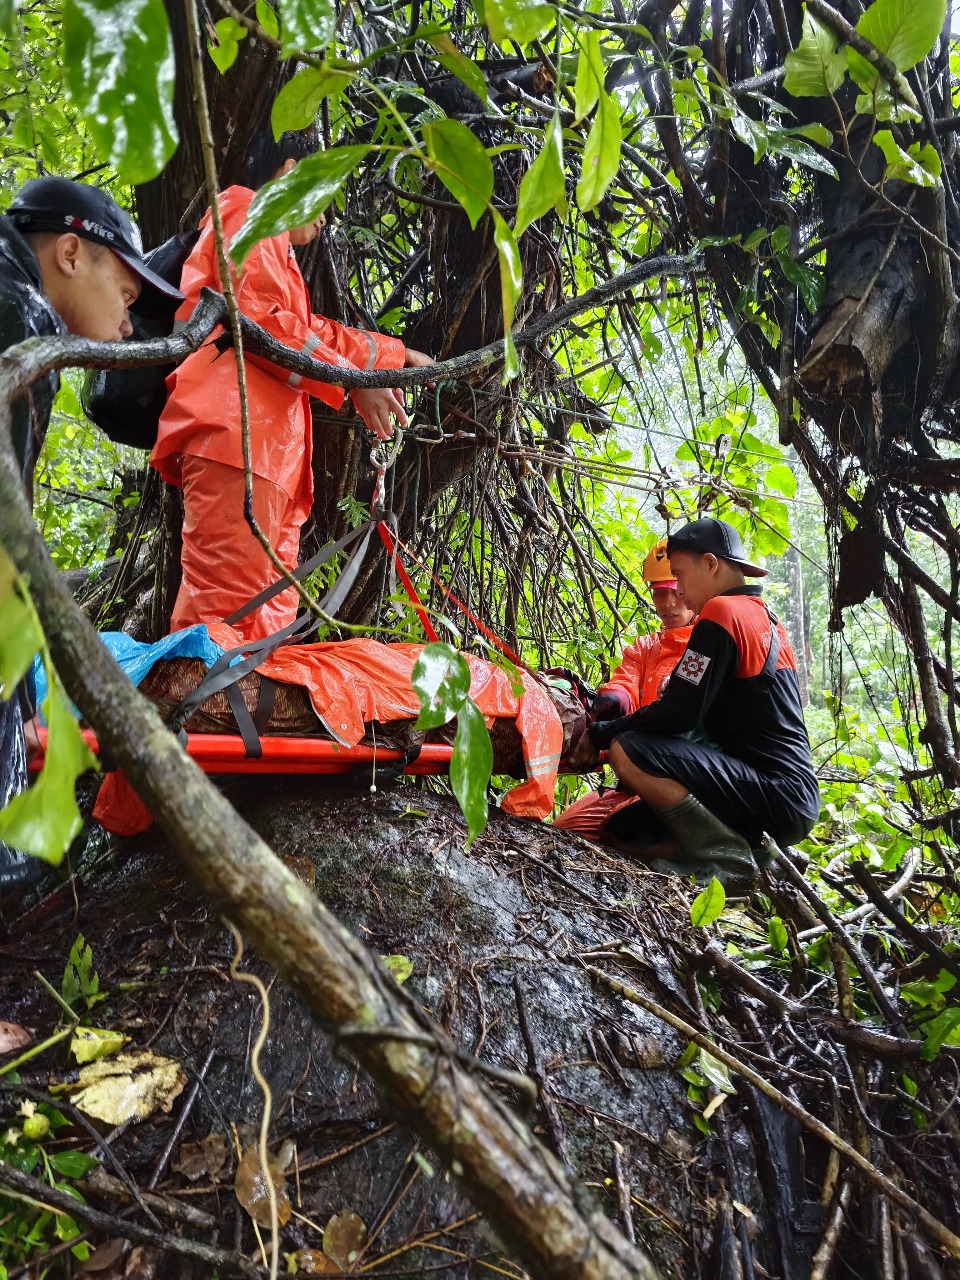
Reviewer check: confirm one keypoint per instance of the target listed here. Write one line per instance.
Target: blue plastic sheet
(137, 659)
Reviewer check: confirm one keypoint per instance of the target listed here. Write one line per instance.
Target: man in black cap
(71, 261)
(737, 683)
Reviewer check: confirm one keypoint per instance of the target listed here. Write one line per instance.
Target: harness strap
(323, 555)
(245, 723)
(265, 703)
(773, 650)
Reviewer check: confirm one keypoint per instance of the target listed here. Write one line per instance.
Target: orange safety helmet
(657, 573)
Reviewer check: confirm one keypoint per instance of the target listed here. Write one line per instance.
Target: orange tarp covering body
(351, 682)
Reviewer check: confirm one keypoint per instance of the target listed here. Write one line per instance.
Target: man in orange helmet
(641, 677)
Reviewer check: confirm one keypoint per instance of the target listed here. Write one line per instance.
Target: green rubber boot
(708, 848)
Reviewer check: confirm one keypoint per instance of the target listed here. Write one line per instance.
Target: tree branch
(37, 356)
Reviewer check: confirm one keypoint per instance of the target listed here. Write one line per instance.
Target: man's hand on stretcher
(378, 405)
(584, 756)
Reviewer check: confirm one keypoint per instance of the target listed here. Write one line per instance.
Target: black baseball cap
(59, 204)
(717, 538)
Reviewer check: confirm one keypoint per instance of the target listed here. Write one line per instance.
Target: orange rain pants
(644, 669)
(223, 563)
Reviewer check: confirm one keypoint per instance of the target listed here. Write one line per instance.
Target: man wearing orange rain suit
(199, 441)
(641, 677)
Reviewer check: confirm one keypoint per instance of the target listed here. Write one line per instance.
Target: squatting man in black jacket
(705, 808)
(71, 261)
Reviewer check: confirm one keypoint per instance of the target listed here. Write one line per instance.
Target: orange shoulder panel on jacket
(746, 619)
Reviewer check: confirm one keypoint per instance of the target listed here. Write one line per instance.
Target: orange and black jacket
(737, 682)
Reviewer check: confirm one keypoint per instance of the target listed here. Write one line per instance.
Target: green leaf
(119, 71)
(781, 143)
(816, 68)
(809, 281)
(905, 30)
(777, 934)
(298, 102)
(708, 904)
(441, 680)
(470, 768)
(267, 17)
(941, 1030)
(8, 9)
(881, 103)
(400, 966)
(781, 478)
(779, 239)
(20, 634)
(44, 819)
(590, 76)
(73, 1164)
(519, 20)
(755, 238)
(458, 159)
(296, 198)
(716, 1072)
(458, 64)
(224, 52)
(306, 25)
(919, 165)
(864, 73)
(511, 285)
(817, 133)
(79, 978)
(601, 153)
(542, 187)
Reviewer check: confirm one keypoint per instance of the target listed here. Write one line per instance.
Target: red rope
(391, 544)
(389, 538)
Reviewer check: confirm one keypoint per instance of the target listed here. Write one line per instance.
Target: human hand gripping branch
(377, 405)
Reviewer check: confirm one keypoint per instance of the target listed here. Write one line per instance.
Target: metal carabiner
(382, 457)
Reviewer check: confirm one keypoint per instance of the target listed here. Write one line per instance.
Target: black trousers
(748, 801)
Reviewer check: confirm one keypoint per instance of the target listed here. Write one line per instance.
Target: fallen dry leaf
(129, 1086)
(13, 1036)
(343, 1238)
(250, 1186)
(195, 1159)
(312, 1262)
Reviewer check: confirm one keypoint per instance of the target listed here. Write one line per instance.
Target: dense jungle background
(722, 242)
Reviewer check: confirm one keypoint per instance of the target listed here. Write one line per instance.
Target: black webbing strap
(323, 555)
(268, 696)
(244, 721)
(773, 652)
(237, 662)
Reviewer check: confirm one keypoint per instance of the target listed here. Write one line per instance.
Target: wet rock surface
(499, 937)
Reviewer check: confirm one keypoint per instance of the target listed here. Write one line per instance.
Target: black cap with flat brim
(710, 536)
(59, 204)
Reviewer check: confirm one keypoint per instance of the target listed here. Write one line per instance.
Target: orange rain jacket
(646, 666)
(202, 414)
(354, 681)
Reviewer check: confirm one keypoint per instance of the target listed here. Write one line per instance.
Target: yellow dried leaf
(90, 1043)
(129, 1087)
